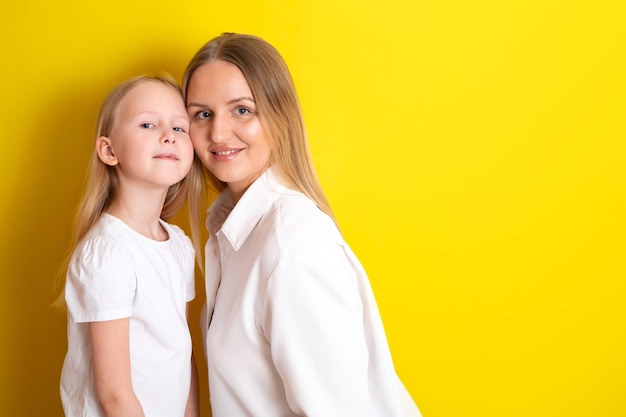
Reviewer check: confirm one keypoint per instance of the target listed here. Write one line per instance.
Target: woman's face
(225, 127)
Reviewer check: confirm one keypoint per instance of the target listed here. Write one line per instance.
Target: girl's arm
(193, 405)
(111, 365)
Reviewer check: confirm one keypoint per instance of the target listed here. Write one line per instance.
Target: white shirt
(116, 273)
(294, 327)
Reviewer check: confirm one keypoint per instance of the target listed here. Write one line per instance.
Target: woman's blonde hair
(279, 109)
(102, 181)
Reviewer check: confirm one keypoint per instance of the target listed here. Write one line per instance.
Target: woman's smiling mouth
(225, 153)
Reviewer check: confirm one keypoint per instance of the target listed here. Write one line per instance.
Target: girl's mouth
(167, 156)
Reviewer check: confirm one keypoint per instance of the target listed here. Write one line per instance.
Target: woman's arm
(313, 320)
(110, 348)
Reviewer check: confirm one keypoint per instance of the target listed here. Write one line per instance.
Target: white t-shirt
(116, 273)
(294, 327)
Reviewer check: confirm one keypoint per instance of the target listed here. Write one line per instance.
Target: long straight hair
(102, 181)
(280, 113)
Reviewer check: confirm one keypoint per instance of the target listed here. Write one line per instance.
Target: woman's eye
(242, 111)
(202, 115)
(147, 125)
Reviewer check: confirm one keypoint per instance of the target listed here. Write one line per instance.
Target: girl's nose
(169, 136)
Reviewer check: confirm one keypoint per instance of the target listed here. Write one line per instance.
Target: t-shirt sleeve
(101, 282)
(188, 260)
(190, 275)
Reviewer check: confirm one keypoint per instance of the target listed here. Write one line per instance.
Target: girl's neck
(141, 213)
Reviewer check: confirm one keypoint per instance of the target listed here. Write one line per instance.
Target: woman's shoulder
(297, 216)
(293, 204)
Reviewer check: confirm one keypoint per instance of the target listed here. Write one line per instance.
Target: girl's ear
(105, 151)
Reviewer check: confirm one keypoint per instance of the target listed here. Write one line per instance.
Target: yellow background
(473, 152)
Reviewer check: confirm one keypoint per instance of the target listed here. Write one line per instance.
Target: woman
(293, 329)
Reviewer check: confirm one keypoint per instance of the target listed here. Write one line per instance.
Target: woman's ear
(105, 151)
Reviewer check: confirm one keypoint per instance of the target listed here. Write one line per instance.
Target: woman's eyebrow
(242, 98)
(232, 101)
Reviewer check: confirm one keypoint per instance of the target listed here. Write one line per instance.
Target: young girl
(294, 329)
(131, 274)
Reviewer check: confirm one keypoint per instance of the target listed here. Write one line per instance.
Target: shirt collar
(236, 222)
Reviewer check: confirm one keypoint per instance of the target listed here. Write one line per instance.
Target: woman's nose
(219, 130)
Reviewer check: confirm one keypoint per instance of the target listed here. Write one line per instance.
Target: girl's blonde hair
(102, 181)
(279, 109)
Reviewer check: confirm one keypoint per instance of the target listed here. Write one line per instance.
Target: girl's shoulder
(107, 229)
(107, 237)
(174, 230)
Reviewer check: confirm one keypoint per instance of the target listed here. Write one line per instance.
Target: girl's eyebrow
(150, 113)
(146, 112)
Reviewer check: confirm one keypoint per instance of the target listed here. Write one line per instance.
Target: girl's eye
(147, 125)
(179, 129)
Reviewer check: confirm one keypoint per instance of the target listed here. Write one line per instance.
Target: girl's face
(149, 143)
(225, 129)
